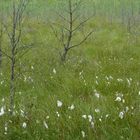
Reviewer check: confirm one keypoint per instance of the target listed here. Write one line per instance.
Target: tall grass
(97, 88)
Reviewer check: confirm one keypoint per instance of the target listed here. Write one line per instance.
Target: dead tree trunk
(1, 39)
(16, 46)
(1, 33)
(12, 85)
(1, 36)
(13, 57)
(64, 54)
(70, 33)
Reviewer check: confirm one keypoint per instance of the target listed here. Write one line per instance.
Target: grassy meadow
(94, 95)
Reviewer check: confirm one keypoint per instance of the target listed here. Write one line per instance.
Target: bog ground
(94, 94)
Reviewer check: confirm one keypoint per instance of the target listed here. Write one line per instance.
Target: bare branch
(56, 35)
(8, 33)
(6, 54)
(87, 36)
(60, 25)
(74, 19)
(71, 30)
(18, 37)
(78, 4)
(26, 50)
(81, 24)
(63, 17)
(23, 48)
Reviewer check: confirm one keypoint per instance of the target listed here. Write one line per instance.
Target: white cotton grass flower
(58, 115)
(30, 79)
(97, 83)
(139, 93)
(92, 124)
(2, 111)
(71, 107)
(3, 100)
(83, 134)
(2, 82)
(24, 125)
(90, 118)
(54, 70)
(121, 115)
(80, 73)
(97, 95)
(100, 119)
(96, 77)
(118, 99)
(120, 80)
(123, 101)
(97, 110)
(107, 115)
(84, 116)
(45, 124)
(10, 121)
(108, 83)
(32, 67)
(132, 107)
(111, 77)
(126, 108)
(107, 78)
(59, 103)
(22, 113)
(129, 81)
(5, 129)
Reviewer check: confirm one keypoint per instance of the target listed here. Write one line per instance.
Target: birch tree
(16, 46)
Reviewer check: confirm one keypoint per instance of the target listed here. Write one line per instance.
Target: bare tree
(17, 48)
(70, 28)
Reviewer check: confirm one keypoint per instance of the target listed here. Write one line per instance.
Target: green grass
(107, 64)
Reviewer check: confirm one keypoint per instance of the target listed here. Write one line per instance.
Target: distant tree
(69, 26)
(123, 13)
(17, 48)
(130, 18)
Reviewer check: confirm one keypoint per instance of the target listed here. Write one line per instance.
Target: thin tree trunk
(15, 38)
(12, 76)
(12, 85)
(1, 34)
(66, 48)
(63, 56)
(0, 55)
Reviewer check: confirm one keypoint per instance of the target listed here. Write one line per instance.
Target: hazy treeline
(113, 8)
